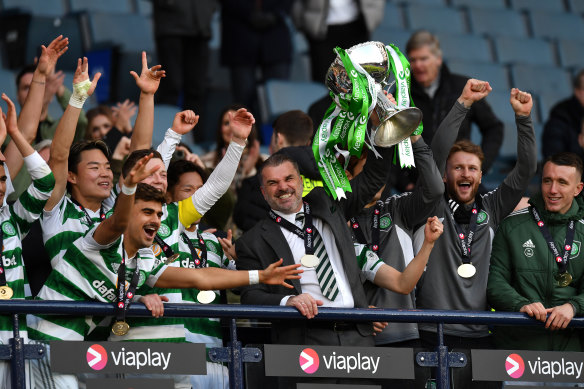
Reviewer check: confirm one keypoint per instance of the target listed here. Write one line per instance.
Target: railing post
(236, 363)
(17, 367)
(443, 368)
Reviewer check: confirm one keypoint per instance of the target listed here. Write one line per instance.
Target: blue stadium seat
(571, 54)
(132, 32)
(163, 117)
(499, 102)
(113, 6)
(509, 146)
(557, 25)
(396, 37)
(435, 19)
(38, 7)
(393, 17)
(577, 6)
(465, 47)
(282, 96)
(497, 22)
(491, 4)
(548, 100)
(497, 75)
(541, 5)
(8, 83)
(521, 50)
(541, 79)
(144, 7)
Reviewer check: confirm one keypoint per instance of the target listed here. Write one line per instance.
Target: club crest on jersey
(8, 228)
(164, 231)
(385, 222)
(482, 217)
(575, 249)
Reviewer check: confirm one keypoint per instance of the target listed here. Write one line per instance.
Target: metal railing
(234, 354)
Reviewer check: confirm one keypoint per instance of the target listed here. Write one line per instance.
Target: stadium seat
(113, 6)
(38, 7)
(396, 37)
(435, 19)
(491, 4)
(497, 22)
(8, 83)
(144, 7)
(509, 146)
(132, 32)
(520, 50)
(499, 102)
(497, 75)
(557, 25)
(541, 5)
(547, 102)
(393, 17)
(541, 79)
(465, 47)
(282, 96)
(163, 117)
(571, 54)
(576, 6)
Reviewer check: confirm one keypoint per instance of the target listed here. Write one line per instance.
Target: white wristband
(254, 277)
(80, 93)
(128, 191)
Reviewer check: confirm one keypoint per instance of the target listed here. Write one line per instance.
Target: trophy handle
(396, 124)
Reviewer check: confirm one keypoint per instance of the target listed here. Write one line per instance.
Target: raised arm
(113, 227)
(28, 120)
(148, 82)
(82, 89)
(192, 209)
(24, 148)
(404, 282)
(183, 123)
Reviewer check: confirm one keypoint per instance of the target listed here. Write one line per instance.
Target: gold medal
(206, 296)
(120, 328)
(6, 292)
(563, 279)
(309, 260)
(171, 259)
(466, 270)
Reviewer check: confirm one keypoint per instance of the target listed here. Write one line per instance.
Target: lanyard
(200, 261)
(166, 249)
(561, 260)
(374, 228)
(2, 270)
(307, 234)
(125, 297)
(89, 219)
(466, 241)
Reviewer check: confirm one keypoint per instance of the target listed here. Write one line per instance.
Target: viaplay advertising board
(530, 366)
(339, 362)
(128, 357)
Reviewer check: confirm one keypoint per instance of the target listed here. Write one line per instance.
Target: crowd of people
(105, 217)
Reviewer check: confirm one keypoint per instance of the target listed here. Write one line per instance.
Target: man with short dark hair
(536, 264)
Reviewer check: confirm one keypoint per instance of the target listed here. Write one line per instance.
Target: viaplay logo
(514, 365)
(96, 357)
(309, 361)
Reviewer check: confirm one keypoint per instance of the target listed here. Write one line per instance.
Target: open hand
(140, 171)
(82, 74)
(227, 245)
(276, 274)
(50, 55)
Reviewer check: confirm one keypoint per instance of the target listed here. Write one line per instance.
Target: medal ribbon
(307, 233)
(89, 219)
(125, 297)
(166, 249)
(351, 112)
(374, 228)
(466, 241)
(400, 67)
(202, 260)
(561, 260)
(2, 270)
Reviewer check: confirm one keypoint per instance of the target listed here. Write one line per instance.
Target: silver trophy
(396, 124)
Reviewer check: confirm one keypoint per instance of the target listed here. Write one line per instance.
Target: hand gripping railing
(234, 354)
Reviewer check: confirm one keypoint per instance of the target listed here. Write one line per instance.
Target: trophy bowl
(396, 124)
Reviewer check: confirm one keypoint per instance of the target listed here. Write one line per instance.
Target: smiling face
(559, 185)
(463, 176)
(187, 185)
(144, 223)
(226, 132)
(424, 65)
(94, 177)
(282, 187)
(158, 178)
(99, 126)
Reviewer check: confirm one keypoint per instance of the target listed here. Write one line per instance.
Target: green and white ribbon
(351, 111)
(401, 71)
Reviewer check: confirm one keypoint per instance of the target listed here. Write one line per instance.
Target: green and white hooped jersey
(368, 261)
(202, 329)
(66, 222)
(15, 221)
(88, 271)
